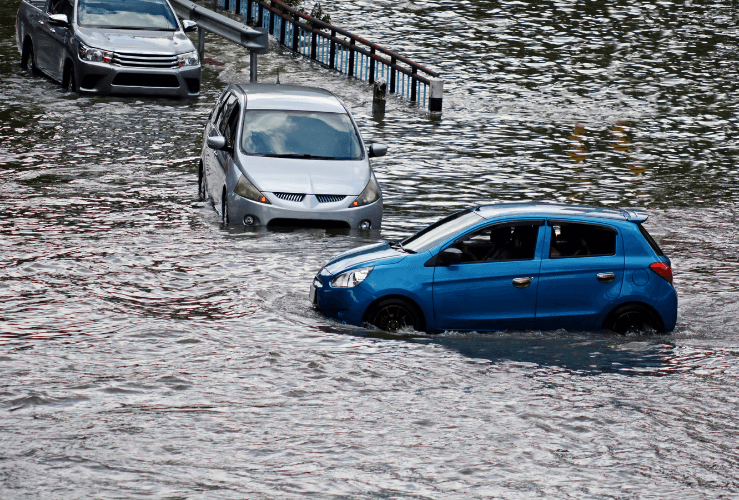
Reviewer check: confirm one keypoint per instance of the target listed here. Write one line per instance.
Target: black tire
(632, 318)
(27, 56)
(69, 82)
(201, 182)
(224, 208)
(394, 314)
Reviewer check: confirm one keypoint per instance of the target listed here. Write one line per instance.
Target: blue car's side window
(570, 239)
(500, 242)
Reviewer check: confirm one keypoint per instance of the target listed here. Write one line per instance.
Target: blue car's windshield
(126, 14)
(300, 134)
(439, 231)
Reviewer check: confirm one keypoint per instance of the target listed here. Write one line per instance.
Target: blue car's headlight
(351, 278)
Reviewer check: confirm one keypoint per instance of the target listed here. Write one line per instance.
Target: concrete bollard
(436, 94)
(378, 96)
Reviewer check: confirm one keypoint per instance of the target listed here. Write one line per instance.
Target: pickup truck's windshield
(126, 14)
(300, 134)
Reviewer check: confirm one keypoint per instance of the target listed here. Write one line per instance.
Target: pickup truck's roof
(559, 209)
(290, 97)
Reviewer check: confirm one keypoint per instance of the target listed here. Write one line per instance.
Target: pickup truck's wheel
(69, 82)
(394, 314)
(28, 58)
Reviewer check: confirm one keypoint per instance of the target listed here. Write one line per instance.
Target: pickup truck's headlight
(95, 55)
(247, 190)
(351, 278)
(369, 195)
(188, 59)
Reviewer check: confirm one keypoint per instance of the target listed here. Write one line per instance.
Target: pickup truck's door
(51, 49)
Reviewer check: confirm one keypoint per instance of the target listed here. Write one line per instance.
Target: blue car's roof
(560, 210)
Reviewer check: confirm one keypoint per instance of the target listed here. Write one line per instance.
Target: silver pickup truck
(109, 46)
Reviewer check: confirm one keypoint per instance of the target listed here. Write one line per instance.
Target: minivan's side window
(508, 241)
(581, 240)
(232, 123)
(223, 111)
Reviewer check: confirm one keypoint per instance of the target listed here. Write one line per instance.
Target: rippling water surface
(148, 352)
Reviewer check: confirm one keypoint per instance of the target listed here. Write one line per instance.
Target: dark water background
(148, 352)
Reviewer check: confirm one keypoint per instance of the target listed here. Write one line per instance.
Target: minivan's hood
(136, 41)
(289, 175)
(369, 253)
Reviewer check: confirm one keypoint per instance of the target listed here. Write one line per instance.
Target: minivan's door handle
(522, 282)
(606, 277)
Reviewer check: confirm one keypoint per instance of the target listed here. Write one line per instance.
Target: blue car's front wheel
(394, 314)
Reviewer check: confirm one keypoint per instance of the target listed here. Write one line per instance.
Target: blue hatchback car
(515, 266)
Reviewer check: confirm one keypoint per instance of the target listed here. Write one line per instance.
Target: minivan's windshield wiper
(138, 28)
(304, 156)
(398, 244)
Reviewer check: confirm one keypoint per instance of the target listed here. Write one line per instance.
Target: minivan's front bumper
(101, 78)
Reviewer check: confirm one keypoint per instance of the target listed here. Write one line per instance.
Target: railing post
(378, 96)
(271, 19)
(248, 16)
(296, 32)
(260, 15)
(371, 78)
(332, 51)
(313, 44)
(392, 75)
(436, 94)
(237, 7)
(225, 5)
(215, 5)
(201, 43)
(351, 58)
(252, 67)
(414, 84)
(283, 27)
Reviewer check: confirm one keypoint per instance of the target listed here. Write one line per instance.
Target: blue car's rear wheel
(632, 318)
(394, 314)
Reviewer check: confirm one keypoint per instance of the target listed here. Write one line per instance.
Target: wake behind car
(109, 46)
(288, 155)
(515, 266)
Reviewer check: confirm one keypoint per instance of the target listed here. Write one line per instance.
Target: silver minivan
(290, 156)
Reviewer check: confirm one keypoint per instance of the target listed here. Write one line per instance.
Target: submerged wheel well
(410, 301)
(660, 326)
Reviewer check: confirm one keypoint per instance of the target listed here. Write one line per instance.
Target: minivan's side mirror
(450, 256)
(376, 150)
(217, 142)
(188, 26)
(59, 20)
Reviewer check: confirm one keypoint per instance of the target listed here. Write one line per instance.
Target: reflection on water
(147, 351)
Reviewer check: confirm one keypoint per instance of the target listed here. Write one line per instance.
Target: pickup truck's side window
(61, 7)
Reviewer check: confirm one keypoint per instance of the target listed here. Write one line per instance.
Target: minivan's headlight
(247, 190)
(95, 55)
(351, 278)
(187, 59)
(369, 195)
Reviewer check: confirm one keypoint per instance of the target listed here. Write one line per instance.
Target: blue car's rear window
(126, 14)
(300, 134)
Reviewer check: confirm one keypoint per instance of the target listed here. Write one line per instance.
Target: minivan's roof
(560, 209)
(290, 97)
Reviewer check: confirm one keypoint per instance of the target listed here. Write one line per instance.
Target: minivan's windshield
(300, 134)
(126, 14)
(436, 233)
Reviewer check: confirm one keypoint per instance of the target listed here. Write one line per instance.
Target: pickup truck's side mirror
(376, 150)
(59, 20)
(217, 142)
(450, 256)
(188, 26)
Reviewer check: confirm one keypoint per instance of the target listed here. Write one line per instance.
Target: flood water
(148, 352)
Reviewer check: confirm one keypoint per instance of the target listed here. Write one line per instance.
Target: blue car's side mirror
(450, 256)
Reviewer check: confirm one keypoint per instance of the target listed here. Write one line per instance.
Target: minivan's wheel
(69, 82)
(28, 59)
(632, 318)
(201, 182)
(394, 314)
(224, 208)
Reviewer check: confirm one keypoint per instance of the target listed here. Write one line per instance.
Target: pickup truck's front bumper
(101, 78)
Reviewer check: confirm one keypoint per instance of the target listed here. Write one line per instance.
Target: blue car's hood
(369, 253)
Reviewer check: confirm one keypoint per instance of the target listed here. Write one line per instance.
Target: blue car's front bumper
(347, 305)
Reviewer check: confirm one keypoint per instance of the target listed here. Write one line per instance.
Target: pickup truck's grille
(145, 60)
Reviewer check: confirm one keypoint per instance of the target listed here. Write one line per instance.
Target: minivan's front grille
(329, 198)
(145, 60)
(290, 196)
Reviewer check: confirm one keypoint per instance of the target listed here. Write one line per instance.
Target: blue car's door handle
(522, 282)
(606, 277)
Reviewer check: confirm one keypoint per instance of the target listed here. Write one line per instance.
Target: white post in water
(436, 94)
(252, 67)
(201, 43)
